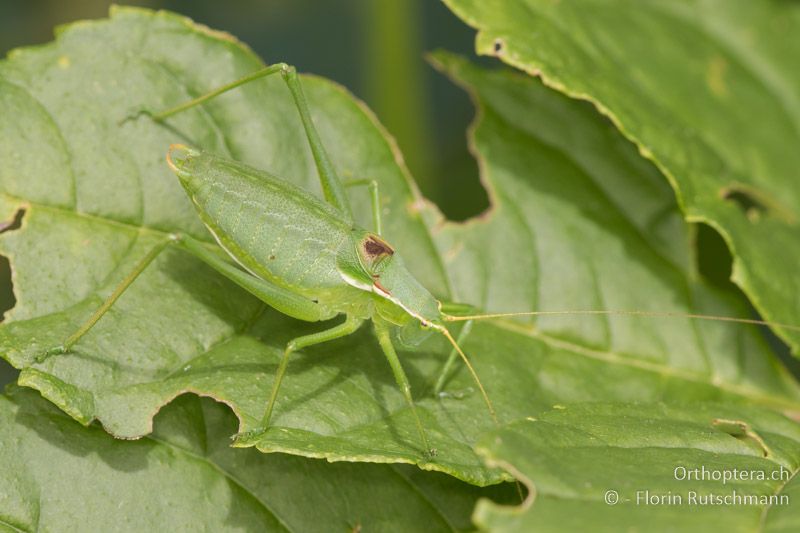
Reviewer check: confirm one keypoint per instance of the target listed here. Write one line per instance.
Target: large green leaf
(612, 467)
(594, 228)
(707, 89)
(579, 221)
(56, 475)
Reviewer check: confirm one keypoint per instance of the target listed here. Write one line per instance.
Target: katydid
(307, 258)
(302, 256)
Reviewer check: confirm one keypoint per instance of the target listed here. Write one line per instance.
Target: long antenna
(662, 314)
(486, 399)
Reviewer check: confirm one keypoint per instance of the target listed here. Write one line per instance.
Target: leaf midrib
(641, 364)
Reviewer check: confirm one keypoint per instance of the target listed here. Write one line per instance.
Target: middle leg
(375, 200)
(349, 326)
(384, 339)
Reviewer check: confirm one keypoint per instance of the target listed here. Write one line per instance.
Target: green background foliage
(375, 49)
(184, 476)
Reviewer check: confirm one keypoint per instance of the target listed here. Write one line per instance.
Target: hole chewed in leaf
(498, 46)
(7, 298)
(756, 204)
(714, 259)
(14, 222)
(741, 430)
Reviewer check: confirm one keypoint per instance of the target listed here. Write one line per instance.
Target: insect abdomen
(274, 229)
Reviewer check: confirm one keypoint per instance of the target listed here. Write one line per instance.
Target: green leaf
(596, 228)
(89, 172)
(185, 477)
(662, 468)
(708, 90)
(579, 221)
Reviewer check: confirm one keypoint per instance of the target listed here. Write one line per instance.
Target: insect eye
(374, 246)
(375, 250)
